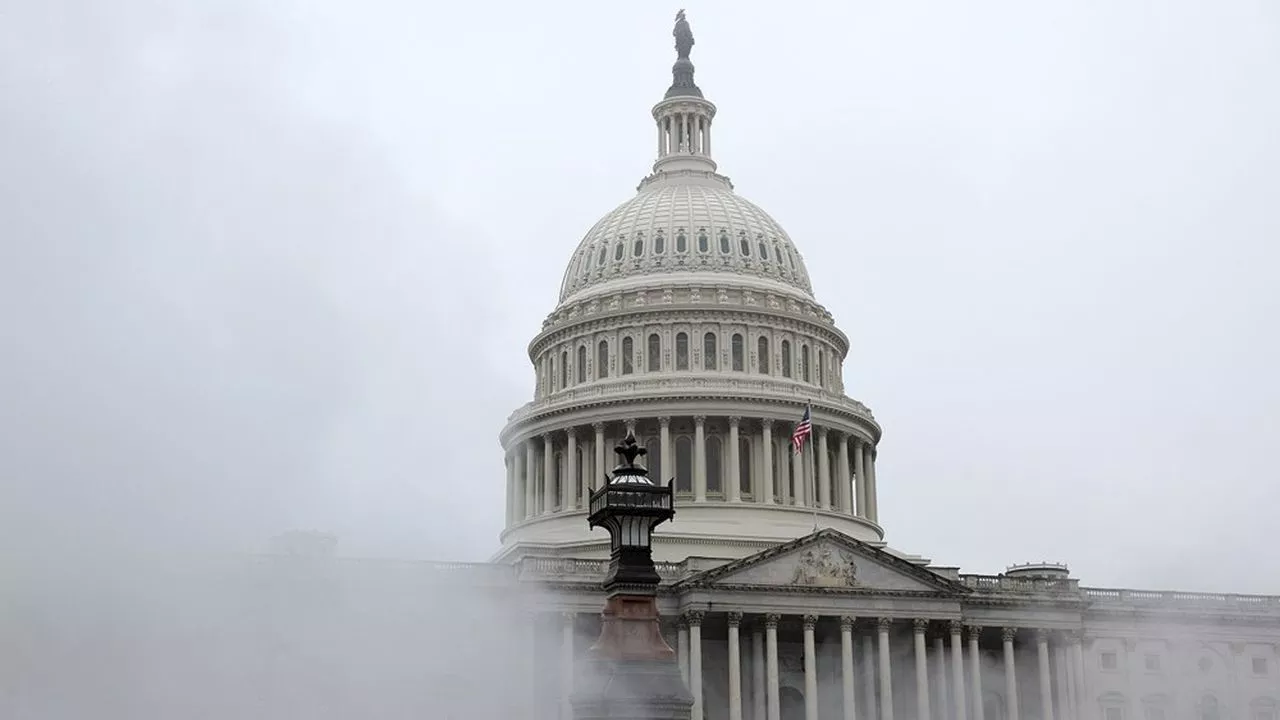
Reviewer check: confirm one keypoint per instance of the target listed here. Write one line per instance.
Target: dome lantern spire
(684, 122)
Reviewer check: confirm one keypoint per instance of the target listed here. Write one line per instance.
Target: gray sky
(275, 265)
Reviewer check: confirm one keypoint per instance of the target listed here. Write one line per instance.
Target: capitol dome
(686, 318)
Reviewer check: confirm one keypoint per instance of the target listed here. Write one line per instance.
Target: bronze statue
(683, 35)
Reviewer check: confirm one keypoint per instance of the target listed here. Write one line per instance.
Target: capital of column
(569, 617)
(664, 421)
(919, 625)
(699, 420)
(766, 423)
(847, 622)
(1075, 637)
(956, 626)
(883, 624)
(682, 623)
(974, 631)
(1042, 635)
(547, 437)
(694, 617)
(771, 620)
(1008, 634)
(734, 420)
(810, 621)
(571, 432)
(597, 426)
(735, 618)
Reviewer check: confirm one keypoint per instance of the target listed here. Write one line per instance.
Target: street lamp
(631, 672)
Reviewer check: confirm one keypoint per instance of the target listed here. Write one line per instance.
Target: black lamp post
(632, 672)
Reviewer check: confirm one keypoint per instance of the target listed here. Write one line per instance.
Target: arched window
(659, 244)
(617, 251)
(682, 242)
(744, 245)
(582, 472)
(638, 248)
(628, 349)
(786, 358)
(1209, 708)
(653, 459)
(764, 250)
(804, 363)
(735, 350)
(709, 351)
(655, 352)
(703, 243)
(582, 363)
(1156, 707)
(558, 487)
(682, 351)
(564, 369)
(724, 243)
(762, 354)
(822, 368)
(744, 466)
(602, 360)
(715, 465)
(1113, 704)
(603, 254)
(684, 464)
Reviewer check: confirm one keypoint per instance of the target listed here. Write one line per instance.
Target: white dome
(677, 227)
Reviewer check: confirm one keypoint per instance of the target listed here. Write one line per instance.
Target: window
(1108, 661)
(744, 246)
(786, 358)
(602, 360)
(715, 464)
(764, 250)
(653, 459)
(655, 352)
(564, 369)
(1113, 705)
(582, 363)
(822, 367)
(628, 349)
(1209, 708)
(1259, 666)
(682, 242)
(709, 351)
(744, 466)
(724, 243)
(682, 351)
(558, 487)
(1151, 662)
(603, 254)
(735, 349)
(1114, 713)
(703, 244)
(804, 363)
(1263, 708)
(684, 464)
(762, 352)
(1152, 711)
(581, 470)
(659, 244)
(617, 251)
(638, 248)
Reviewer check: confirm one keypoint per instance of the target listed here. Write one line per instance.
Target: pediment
(827, 560)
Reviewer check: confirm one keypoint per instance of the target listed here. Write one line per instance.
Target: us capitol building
(687, 318)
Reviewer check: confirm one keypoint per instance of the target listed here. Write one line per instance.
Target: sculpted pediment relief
(827, 560)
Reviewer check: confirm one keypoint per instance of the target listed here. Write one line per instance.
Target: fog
(273, 266)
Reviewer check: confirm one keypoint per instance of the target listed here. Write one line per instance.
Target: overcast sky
(275, 265)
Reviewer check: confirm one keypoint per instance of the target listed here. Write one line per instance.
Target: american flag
(802, 432)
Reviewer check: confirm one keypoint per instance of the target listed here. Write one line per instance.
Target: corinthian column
(768, 487)
(682, 647)
(664, 447)
(922, 670)
(1010, 674)
(758, 705)
(571, 465)
(957, 669)
(810, 670)
(860, 478)
(1046, 677)
(695, 661)
(530, 479)
(548, 474)
(823, 481)
(975, 672)
(735, 667)
(700, 459)
(771, 663)
(566, 662)
(850, 702)
(844, 498)
(598, 482)
(886, 664)
(731, 483)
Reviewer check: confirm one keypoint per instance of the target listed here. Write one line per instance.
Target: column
(598, 481)
(869, 674)
(571, 468)
(940, 675)
(1010, 674)
(850, 700)
(771, 664)
(735, 469)
(768, 484)
(823, 481)
(548, 474)
(664, 450)
(1067, 675)
(735, 667)
(860, 478)
(810, 669)
(588, 454)
(886, 684)
(700, 458)
(798, 477)
(529, 665)
(845, 497)
(511, 489)
(957, 670)
(873, 496)
(682, 649)
(1046, 678)
(757, 672)
(530, 479)
(975, 672)
(784, 473)
(1077, 659)
(566, 665)
(695, 661)
(922, 670)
